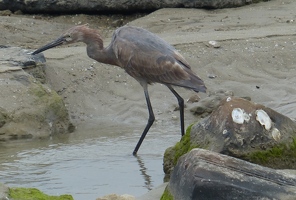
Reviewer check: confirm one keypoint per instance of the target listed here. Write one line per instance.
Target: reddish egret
(143, 55)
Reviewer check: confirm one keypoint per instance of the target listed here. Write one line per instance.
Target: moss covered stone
(272, 147)
(54, 102)
(52, 108)
(279, 156)
(3, 117)
(172, 154)
(167, 195)
(34, 194)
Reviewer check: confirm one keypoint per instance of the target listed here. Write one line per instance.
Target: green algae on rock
(204, 174)
(53, 107)
(235, 128)
(28, 108)
(280, 156)
(167, 195)
(34, 194)
(172, 154)
(264, 137)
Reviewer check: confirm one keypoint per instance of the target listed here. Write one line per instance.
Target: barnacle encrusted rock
(245, 130)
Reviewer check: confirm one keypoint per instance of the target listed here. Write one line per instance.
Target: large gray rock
(207, 175)
(242, 129)
(33, 6)
(250, 131)
(28, 108)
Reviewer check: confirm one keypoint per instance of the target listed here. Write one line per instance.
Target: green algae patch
(34, 194)
(183, 146)
(172, 154)
(3, 117)
(39, 91)
(51, 106)
(279, 156)
(53, 102)
(167, 195)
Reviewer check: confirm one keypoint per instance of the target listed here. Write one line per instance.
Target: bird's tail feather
(194, 83)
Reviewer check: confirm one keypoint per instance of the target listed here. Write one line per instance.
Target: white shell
(238, 115)
(214, 44)
(246, 117)
(263, 118)
(228, 99)
(276, 134)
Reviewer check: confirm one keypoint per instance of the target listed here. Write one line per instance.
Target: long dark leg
(150, 120)
(181, 107)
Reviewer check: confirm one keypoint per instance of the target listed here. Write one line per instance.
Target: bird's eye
(68, 38)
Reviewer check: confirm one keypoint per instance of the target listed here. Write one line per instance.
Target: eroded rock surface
(107, 5)
(247, 130)
(242, 129)
(28, 108)
(203, 174)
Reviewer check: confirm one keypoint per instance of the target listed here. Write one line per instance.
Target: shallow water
(87, 165)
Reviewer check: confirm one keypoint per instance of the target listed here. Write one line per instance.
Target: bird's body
(151, 59)
(143, 55)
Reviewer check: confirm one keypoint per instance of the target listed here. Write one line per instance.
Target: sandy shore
(255, 59)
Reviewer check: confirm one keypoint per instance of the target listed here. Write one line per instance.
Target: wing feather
(147, 57)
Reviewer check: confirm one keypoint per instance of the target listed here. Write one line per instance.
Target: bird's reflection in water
(143, 170)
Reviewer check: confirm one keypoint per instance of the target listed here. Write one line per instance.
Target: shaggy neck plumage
(95, 47)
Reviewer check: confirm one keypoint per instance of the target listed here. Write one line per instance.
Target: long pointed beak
(52, 44)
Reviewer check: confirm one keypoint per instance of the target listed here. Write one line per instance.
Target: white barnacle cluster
(239, 116)
(276, 134)
(263, 118)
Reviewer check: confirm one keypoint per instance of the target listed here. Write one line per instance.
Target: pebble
(214, 44)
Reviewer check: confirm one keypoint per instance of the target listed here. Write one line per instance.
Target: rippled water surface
(87, 165)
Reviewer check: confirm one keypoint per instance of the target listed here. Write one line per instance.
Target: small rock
(214, 44)
(193, 98)
(18, 12)
(212, 76)
(5, 13)
(177, 108)
(174, 117)
(207, 105)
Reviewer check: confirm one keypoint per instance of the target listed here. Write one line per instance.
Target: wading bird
(143, 55)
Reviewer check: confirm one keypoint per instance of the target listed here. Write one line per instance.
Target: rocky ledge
(203, 174)
(29, 108)
(58, 6)
(246, 133)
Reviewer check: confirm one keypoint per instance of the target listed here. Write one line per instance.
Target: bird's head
(72, 35)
